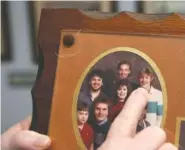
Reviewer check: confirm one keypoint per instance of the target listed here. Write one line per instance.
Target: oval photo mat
(102, 76)
(72, 72)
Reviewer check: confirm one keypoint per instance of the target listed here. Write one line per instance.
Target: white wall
(16, 103)
(127, 6)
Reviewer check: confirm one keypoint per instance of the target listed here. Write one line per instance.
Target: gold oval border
(107, 52)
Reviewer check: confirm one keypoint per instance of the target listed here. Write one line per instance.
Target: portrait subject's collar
(102, 122)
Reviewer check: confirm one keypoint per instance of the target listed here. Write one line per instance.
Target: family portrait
(106, 89)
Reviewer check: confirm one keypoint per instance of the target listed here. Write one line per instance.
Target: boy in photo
(85, 129)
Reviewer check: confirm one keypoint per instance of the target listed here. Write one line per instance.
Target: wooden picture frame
(70, 46)
(36, 7)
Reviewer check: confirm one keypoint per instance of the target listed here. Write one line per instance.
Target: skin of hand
(18, 137)
(121, 135)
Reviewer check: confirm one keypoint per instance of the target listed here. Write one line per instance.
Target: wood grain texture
(54, 20)
(48, 41)
(132, 23)
(87, 48)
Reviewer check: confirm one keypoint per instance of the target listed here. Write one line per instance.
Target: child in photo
(85, 129)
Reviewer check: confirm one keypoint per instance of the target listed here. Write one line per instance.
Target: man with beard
(101, 123)
(94, 90)
(155, 102)
(123, 72)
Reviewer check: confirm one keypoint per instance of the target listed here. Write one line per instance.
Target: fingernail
(42, 142)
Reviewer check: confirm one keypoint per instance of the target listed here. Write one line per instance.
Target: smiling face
(96, 83)
(145, 81)
(82, 116)
(101, 111)
(124, 71)
(122, 92)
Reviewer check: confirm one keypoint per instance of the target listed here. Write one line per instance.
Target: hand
(19, 137)
(122, 135)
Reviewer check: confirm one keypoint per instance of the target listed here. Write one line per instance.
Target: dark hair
(124, 62)
(148, 72)
(82, 107)
(101, 100)
(96, 72)
(126, 83)
(97, 101)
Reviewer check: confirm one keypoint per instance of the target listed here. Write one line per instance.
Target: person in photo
(94, 91)
(123, 89)
(155, 102)
(85, 129)
(101, 123)
(124, 69)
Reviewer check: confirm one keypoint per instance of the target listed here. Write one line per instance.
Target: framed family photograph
(92, 63)
(108, 82)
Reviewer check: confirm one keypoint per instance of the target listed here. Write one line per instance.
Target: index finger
(125, 123)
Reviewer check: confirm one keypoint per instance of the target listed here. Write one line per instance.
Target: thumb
(29, 140)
